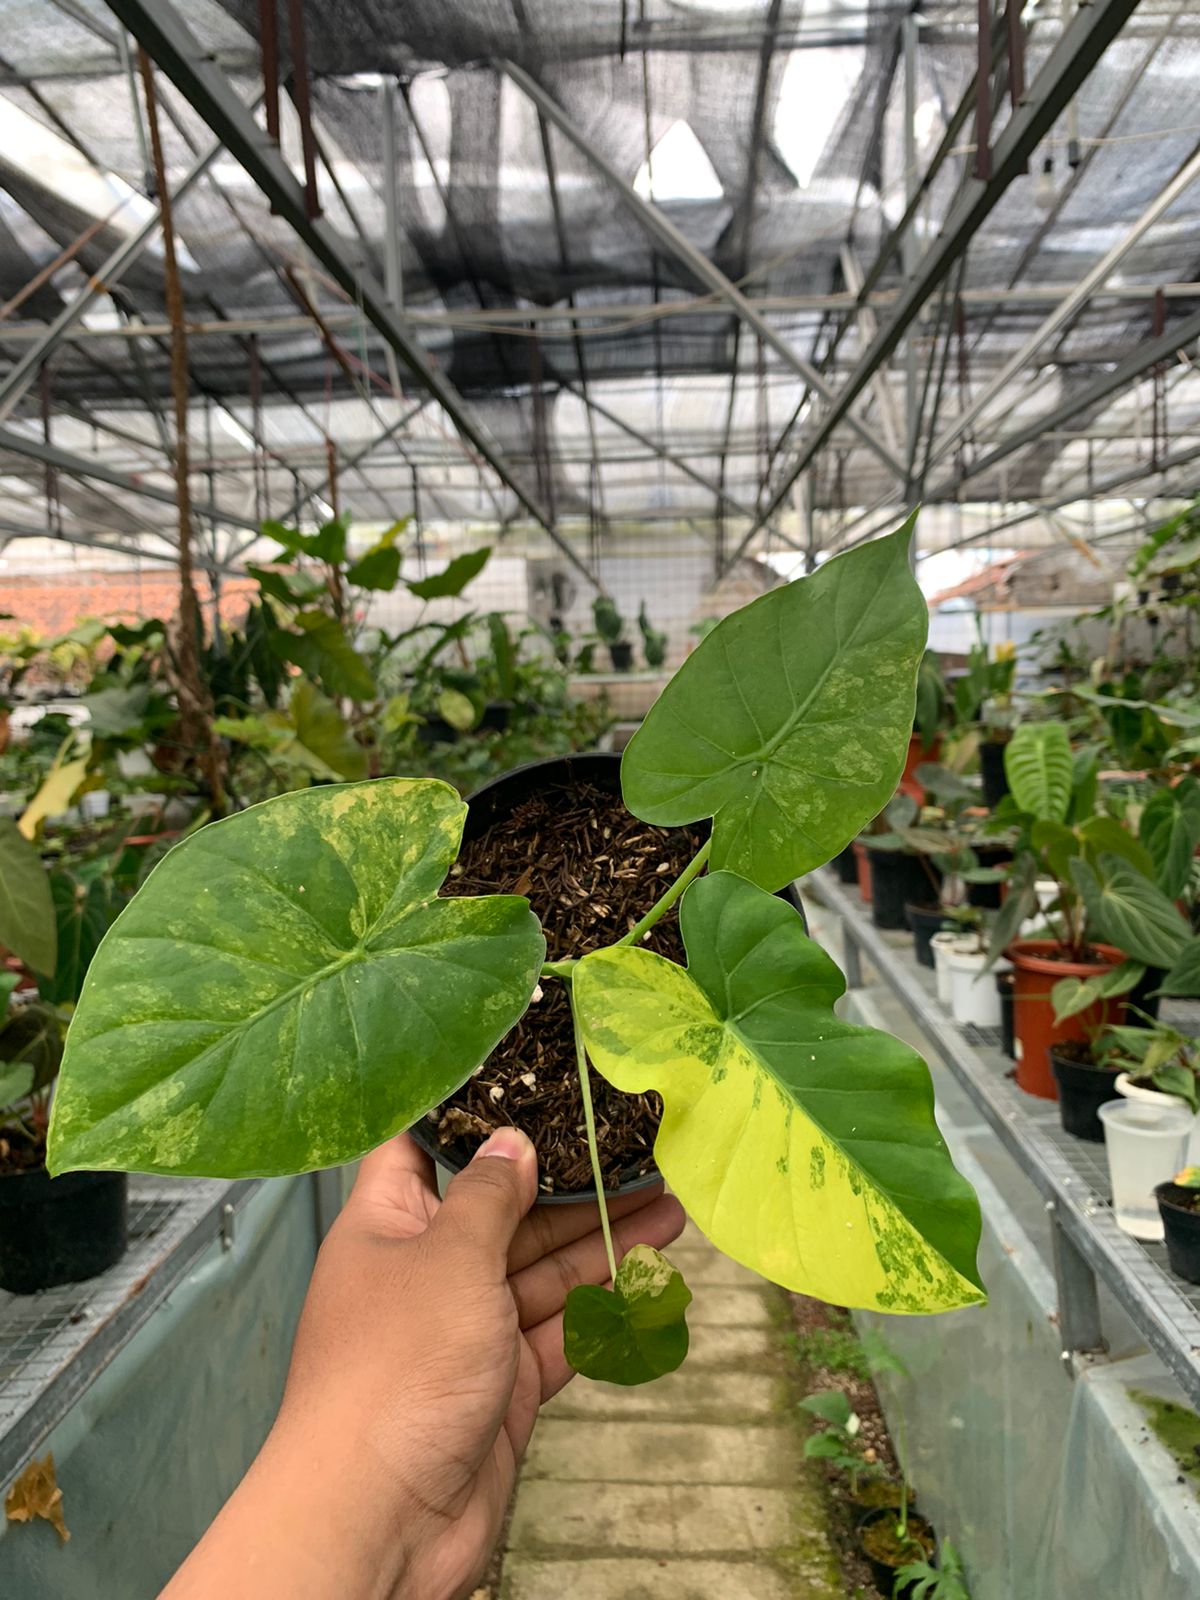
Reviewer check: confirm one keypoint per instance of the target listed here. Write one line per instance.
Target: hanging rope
(195, 703)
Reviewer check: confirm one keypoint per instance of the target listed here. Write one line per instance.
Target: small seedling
(838, 1443)
(946, 1581)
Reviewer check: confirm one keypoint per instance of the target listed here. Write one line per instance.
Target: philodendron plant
(288, 989)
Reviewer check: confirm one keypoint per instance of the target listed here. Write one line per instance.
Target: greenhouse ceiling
(773, 270)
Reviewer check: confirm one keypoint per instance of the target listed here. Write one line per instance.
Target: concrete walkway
(692, 1488)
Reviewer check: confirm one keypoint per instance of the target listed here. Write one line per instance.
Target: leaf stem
(589, 1117)
(666, 900)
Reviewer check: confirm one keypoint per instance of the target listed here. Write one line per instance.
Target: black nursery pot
(898, 878)
(1182, 1229)
(1082, 1090)
(925, 1542)
(436, 730)
(1142, 996)
(924, 921)
(991, 766)
(59, 1230)
(986, 896)
(499, 798)
(845, 865)
(621, 655)
(1006, 983)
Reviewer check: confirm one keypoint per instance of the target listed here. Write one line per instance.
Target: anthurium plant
(289, 988)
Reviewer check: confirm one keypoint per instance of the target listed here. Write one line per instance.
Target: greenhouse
(599, 800)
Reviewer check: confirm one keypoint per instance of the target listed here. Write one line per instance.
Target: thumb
(487, 1200)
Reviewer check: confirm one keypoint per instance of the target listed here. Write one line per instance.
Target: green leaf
(931, 694)
(1183, 979)
(16, 1083)
(453, 579)
(789, 723)
(378, 568)
(84, 912)
(322, 650)
(27, 923)
(1037, 761)
(1129, 911)
(1170, 831)
(504, 654)
(291, 588)
(634, 1332)
(1019, 903)
(1058, 846)
(114, 712)
(327, 544)
(32, 1037)
(457, 709)
(1070, 996)
(321, 728)
(832, 1406)
(1103, 835)
(287, 990)
(804, 1146)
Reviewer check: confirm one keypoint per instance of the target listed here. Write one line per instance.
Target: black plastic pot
(1005, 982)
(898, 878)
(500, 797)
(436, 730)
(991, 766)
(1182, 1230)
(885, 1575)
(924, 921)
(1082, 1090)
(845, 865)
(621, 655)
(1141, 995)
(59, 1230)
(986, 896)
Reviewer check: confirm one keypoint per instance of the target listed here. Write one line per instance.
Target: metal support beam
(1070, 304)
(889, 417)
(165, 36)
(86, 468)
(660, 228)
(663, 454)
(1079, 46)
(24, 371)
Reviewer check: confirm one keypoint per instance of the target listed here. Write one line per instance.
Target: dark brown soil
(882, 1542)
(1077, 1050)
(590, 870)
(19, 1153)
(1182, 1199)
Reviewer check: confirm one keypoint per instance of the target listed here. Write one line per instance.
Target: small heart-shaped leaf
(635, 1331)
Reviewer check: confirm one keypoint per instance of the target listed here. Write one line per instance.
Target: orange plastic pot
(917, 753)
(1035, 1030)
(862, 862)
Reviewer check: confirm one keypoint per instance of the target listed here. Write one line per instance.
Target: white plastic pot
(94, 805)
(1155, 1097)
(974, 997)
(941, 944)
(1146, 1144)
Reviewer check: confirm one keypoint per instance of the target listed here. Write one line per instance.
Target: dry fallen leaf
(36, 1494)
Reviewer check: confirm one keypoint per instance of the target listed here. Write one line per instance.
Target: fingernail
(510, 1144)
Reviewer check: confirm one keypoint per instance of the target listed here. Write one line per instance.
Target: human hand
(431, 1334)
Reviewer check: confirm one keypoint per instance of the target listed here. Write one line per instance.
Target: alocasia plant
(288, 989)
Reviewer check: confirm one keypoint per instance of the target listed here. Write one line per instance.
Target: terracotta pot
(917, 753)
(1033, 1016)
(862, 862)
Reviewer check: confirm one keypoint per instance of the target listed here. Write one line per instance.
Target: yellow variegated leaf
(803, 1146)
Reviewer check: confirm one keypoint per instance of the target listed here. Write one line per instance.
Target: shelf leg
(1078, 1302)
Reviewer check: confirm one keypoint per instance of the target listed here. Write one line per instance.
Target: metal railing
(1070, 1174)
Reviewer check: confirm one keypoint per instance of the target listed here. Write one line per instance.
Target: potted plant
(654, 642)
(289, 987)
(983, 700)
(1179, 1208)
(931, 718)
(1109, 917)
(610, 625)
(903, 863)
